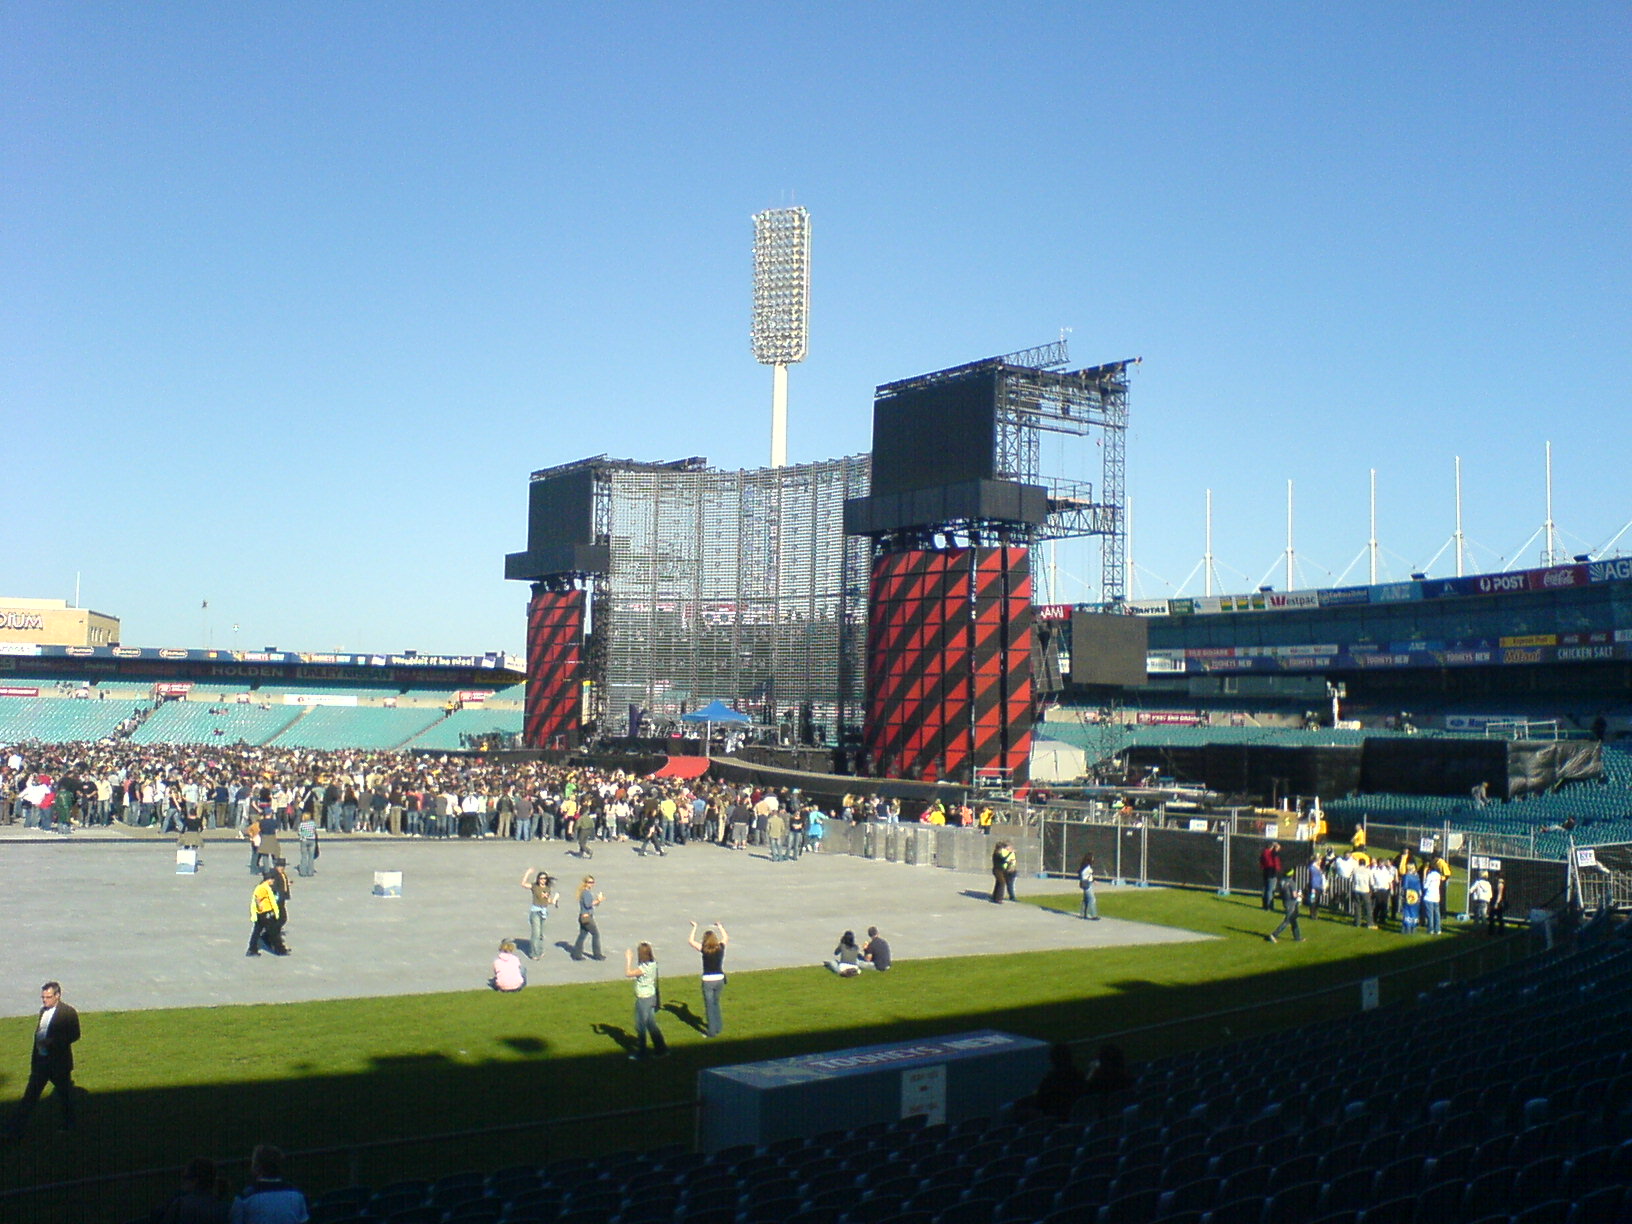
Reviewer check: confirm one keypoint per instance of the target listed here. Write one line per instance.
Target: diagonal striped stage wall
(949, 637)
(555, 647)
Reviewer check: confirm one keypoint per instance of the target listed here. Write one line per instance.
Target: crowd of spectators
(177, 787)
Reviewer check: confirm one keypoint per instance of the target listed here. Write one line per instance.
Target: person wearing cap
(1290, 901)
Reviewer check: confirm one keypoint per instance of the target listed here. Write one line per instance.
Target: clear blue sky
(296, 296)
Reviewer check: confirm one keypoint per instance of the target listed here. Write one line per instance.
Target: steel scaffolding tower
(729, 584)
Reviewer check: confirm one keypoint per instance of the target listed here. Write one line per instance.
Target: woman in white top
(641, 965)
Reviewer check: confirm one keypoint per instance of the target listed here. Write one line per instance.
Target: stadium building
(1454, 654)
(51, 622)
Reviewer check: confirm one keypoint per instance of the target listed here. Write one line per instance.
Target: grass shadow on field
(683, 1013)
(622, 1037)
(164, 1086)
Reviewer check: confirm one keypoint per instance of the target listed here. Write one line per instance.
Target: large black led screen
(1108, 649)
(561, 510)
(941, 434)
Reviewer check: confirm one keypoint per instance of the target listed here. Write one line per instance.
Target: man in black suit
(52, 1061)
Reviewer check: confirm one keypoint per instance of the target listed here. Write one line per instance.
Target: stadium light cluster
(781, 285)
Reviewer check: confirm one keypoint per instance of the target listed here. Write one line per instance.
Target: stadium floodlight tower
(781, 307)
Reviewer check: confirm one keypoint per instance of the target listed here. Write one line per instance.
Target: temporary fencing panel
(1141, 854)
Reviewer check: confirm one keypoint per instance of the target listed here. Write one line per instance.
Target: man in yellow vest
(264, 911)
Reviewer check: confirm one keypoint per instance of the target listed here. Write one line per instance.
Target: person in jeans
(1362, 892)
(541, 887)
(1433, 894)
(712, 947)
(588, 900)
(641, 965)
(1269, 863)
(1085, 881)
(306, 835)
(1290, 901)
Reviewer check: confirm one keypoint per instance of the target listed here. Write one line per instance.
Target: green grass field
(163, 1086)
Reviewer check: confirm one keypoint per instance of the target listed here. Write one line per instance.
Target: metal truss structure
(1036, 396)
(1076, 403)
(737, 585)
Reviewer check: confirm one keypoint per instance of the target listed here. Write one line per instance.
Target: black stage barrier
(1392, 765)
(1534, 767)
(1177, 857)
(1403, 766)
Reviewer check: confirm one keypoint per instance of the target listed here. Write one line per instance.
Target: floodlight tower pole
(779, 415)
(781, 307)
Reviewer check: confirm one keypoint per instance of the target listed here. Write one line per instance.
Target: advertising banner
(1279, 601)
(1585, 654)
(1338, 597)
(1396, 592)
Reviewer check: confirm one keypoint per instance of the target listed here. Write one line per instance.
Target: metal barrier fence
(1153, 850)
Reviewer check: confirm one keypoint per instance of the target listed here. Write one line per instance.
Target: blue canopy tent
(715, 711)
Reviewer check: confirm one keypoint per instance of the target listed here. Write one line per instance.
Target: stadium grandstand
(290, 699)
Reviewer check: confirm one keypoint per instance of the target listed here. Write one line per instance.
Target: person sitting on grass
(876, 951)
(508, 975)
(846, 960)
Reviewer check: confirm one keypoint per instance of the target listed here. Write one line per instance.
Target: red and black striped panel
(949, 662)
(555, 641)
(913, 657)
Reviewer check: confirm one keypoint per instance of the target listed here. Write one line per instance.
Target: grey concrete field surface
(112, 920)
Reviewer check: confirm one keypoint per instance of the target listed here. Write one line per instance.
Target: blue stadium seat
(1295, 1203)
(1402, 1210)
(347, 1200)
(388, 1202)
(936, 1196)
(875, 1208)
(1609, 1203)
(476, 1211)
(1024, 1206)
(969, 1211)
(1136, 1207)
(1550, 1211)
(1240, 1211)
(1487, 1193)
(814, 1215)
